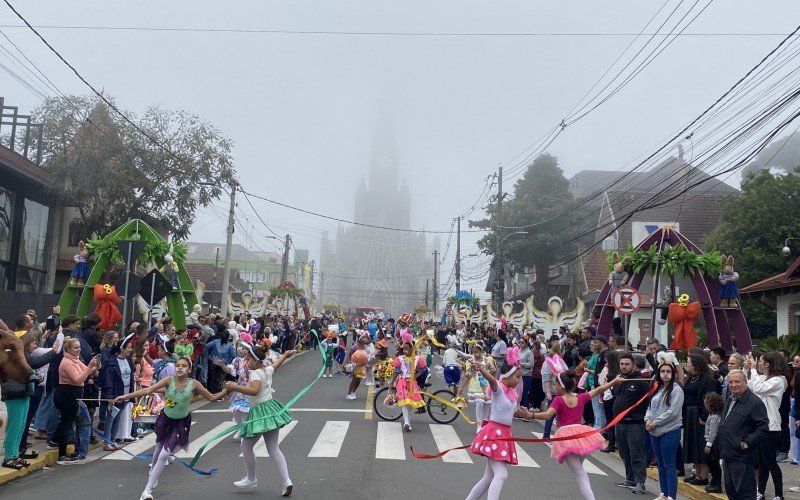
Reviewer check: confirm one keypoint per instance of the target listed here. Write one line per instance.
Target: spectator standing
(526, 362)
(595, 365)
(609, 372)
(696, 384)
(744, 424)
(768, 383)
(714, 405)
(735, 362)
(663, 421)
(537, 391)
(72, 374)
(795, 386)
(630, 431)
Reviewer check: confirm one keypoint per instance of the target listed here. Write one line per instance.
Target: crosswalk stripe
(588, 466)
(389, 443)
(260, 449)
(137, 448)
(525, 460)
(202, 439)
(445, 437)
(330, 440)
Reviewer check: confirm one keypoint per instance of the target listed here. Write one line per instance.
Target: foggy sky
(303, 109)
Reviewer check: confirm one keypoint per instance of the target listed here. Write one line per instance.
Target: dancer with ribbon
(267, 415)
(501, 450)
(404, 388)
(475, 384)
(568, 407)
(173, 424)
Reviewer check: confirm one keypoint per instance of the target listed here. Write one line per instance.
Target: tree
(113, 173)
(753, 229)
(540, 195)
(781, 154)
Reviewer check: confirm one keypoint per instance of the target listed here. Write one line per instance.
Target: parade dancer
(568, 407)
(329, 346)
(476, 384)
(267, 415)
(404, 389)
(359, 370)
(498, 453)
(239, 368)
(173, 424)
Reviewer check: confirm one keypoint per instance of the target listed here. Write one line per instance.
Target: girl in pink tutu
(404, 389)
(499, 453)
(568, 407)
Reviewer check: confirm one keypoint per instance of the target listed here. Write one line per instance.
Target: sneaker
(52, 445)
(759, 496)
(782, 457)
(661, 497)
(146, 495)
(625, 484)
(245, 483)
(699, 482)
(406, 427)
(639, 489)
(713, 488)
(66, 460)
(689, 478)
(350, 396)
(287, 490)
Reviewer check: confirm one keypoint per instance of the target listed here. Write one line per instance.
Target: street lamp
(499, 277)
(786, 250)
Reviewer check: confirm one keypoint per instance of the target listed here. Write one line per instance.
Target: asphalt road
(332, 451)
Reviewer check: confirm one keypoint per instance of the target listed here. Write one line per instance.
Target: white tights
(406, 415)
(160, 457)
(491, 482)
(575, 464)
(479, 404)
(271, 439)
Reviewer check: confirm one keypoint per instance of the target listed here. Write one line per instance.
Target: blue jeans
(548, 424)
(202, 369)
(665, 447)
(112, 423)
(83, 426)
(47, 415)
(599, 413)
(526, 391)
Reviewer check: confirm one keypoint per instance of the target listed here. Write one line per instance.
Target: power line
(543, 34)
(353, 222)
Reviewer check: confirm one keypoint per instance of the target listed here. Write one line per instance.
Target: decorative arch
(726, 326)
(179, 300)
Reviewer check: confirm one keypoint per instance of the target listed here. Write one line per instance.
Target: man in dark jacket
(744, 423)
(630, 431)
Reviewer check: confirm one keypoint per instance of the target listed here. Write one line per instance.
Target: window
(34, 235)
(796, 322)
(6, 217)
(30, 280)
(75, 234)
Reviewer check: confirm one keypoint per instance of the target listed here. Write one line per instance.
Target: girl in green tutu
(266, 416)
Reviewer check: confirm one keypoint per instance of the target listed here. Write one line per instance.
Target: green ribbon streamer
(286, 407)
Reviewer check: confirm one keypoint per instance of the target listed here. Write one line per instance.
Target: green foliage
(286, 289)
(789, 342)
(112, 173)
(672, 261)
(154, 251)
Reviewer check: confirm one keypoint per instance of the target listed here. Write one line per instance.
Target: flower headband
(512, 358)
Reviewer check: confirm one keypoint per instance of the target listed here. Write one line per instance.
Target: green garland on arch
(672, 261)
(154, 251)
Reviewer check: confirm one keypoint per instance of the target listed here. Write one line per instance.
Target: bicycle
(438, 411)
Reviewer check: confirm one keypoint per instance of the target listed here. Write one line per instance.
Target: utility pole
(435, 281)
(311, 283)
(321, 288)
(226, 277)
(458, 255)
(285, 262)
(214, 286)
(498, 287)
(427, 290)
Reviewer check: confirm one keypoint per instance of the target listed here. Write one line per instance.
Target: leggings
(66, 401)
(160, 458)
(15, 428)
(479, 405)
(271, 439)
(575, 464)
(406, 415)
(491, 483)
(767, 464)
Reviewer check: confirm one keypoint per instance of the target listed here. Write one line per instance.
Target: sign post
(626, 301)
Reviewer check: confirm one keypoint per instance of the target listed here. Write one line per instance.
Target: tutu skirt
(173, 434)
(502, 451)
(265, 417)
(239, 402)
(581, 446)
(407, 398)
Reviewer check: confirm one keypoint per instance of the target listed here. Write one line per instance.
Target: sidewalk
(791, 478)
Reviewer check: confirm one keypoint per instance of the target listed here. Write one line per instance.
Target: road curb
(687, 490)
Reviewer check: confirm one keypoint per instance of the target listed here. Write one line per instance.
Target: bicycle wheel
(440, 412)
(385, 412)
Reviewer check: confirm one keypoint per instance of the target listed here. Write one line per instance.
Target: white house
(781, 293)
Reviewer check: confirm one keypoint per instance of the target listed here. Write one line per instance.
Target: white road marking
(137, 448)
(445, 437)
(588, 466)
(330, 440)
(389, 443)
(525, 460)
(197, 443)
(260, 449)
(312, 410)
